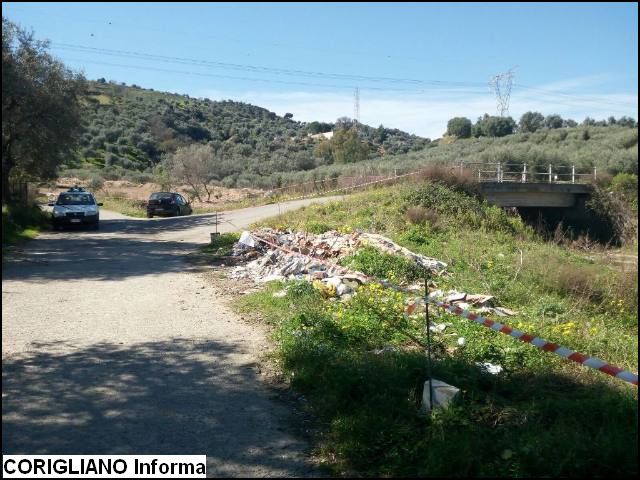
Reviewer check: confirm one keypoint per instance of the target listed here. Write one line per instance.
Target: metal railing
(505, 173)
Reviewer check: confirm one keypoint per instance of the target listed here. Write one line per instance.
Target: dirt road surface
(111, 345)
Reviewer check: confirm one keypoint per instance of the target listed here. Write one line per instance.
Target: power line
(258, 68)
(282, 82)
(234, 66)
(232, 77)
(581, 98)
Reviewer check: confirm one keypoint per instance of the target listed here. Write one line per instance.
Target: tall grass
(363, 376)
(22, 222)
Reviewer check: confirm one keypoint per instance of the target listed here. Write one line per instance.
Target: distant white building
(318, 136)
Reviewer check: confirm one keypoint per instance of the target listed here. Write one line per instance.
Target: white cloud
(427, 113)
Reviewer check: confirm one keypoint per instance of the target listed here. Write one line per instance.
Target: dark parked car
(167, 203)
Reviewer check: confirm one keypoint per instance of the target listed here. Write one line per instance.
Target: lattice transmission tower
(500, 85)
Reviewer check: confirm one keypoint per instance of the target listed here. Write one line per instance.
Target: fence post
(427, 326)
(550, 171)
(573, 174)
(595, 174)
(498, 171)
(524, 173)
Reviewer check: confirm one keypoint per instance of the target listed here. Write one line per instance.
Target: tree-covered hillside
(611, 149)
(131, 133)
(133, 129)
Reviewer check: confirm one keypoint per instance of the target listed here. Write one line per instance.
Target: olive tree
(460, 127)
(41, 112)
(196, 165)
(531, 121)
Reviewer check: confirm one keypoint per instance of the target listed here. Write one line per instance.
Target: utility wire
(580, 98)
(232, 77)
(259, 68)
(233, 66)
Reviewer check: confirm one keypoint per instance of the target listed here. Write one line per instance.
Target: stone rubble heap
(314, 257)
(467, 301)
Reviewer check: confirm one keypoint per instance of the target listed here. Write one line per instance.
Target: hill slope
(128, 131)
(130, 128)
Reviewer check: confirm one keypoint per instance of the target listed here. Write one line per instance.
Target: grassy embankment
(542, 416)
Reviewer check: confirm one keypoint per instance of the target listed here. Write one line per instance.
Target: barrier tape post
(428, 327)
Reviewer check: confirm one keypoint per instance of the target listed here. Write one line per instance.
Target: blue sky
(416, 65)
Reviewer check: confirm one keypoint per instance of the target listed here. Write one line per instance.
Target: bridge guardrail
(502, 173)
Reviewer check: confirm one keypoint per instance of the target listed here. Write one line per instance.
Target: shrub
(371, 261)
(419, 215)
(459, 127)
(95, 183)
(452, 176)
(18, 222)
(317, 227)
(610, 218)
(626, 186)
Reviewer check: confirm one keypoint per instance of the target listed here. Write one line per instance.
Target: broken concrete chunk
(343, 289)
(504, 311)
(271, 278)
(439, 327)
(484, 300)
(436, 294)
(385, 349)
(454, 296)
(489, 367)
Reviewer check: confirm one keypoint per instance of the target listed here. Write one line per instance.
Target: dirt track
(110, 345)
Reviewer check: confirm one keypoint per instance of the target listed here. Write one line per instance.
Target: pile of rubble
(466, 301)
(275, 255)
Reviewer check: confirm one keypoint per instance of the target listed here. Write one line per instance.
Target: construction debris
(275, 255)
(490, 367)
(466, 301)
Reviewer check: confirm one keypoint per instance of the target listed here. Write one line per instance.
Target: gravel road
(111, 345)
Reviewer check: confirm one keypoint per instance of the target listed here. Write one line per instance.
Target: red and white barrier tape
(542, 344)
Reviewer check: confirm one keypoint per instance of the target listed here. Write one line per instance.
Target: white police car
(76, 206)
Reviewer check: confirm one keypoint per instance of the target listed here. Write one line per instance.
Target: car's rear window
(160, 196)
(75, 199)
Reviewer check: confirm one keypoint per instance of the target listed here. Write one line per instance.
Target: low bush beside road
(22, 222)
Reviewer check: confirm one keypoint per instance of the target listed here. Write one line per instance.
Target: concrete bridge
(538, 195)
(512, 185)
